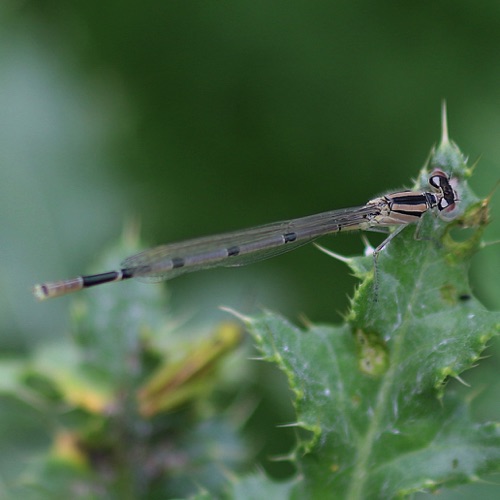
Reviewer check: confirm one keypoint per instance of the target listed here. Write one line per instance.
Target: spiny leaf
(372, 391)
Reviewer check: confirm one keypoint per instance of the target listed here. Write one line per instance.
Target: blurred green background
(203, 117)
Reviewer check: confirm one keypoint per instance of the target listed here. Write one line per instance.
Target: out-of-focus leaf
(259, 486)
(174, 383)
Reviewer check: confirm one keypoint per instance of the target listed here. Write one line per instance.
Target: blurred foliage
(134, 404)
(202, 117)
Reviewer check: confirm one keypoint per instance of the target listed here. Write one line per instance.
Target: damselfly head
(447, 195)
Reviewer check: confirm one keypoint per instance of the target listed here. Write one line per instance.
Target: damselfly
(251, 245)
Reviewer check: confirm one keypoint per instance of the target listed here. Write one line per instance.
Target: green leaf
(371, 392)
(259, 486)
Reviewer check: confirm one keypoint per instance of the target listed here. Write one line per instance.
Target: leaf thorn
(369, 248)
(256, 358)
(282, 458)
(236, 314)
(445, 140)
(461, 380)
(337, 256)
(290, 424)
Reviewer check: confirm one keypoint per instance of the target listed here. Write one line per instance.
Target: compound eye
(444, 206)
(436, 179)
